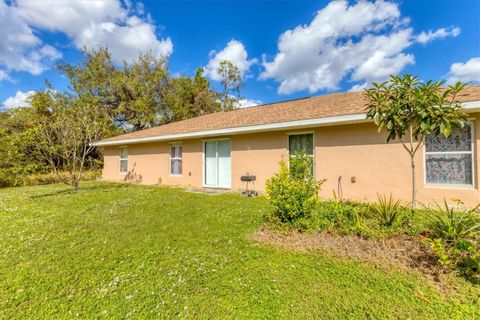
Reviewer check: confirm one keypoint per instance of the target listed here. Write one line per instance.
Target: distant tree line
(54, 132)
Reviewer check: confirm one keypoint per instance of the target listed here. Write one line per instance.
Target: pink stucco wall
(355, 160)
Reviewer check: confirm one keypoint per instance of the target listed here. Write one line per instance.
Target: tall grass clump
(387, 211)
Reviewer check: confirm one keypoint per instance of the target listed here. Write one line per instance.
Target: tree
(14, 164)
(93, 81)
(190, 97)
(140, 87)
(17, 159)
(54, 132)
(231, 79)
(409, 109)
(64, 136)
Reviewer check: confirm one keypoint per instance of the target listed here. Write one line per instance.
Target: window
(301, 143)
(176, 160)
(123, 160)
(449, 161)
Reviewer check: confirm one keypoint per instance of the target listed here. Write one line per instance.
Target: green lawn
(119, 251)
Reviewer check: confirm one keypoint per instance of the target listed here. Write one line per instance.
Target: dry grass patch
(406, 253)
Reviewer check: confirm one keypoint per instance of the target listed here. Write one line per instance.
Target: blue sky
(285, 49)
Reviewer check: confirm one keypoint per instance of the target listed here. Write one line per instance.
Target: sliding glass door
(218, 171)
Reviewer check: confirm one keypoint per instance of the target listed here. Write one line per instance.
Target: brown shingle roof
(329, 105)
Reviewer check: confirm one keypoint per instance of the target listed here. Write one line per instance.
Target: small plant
(461, 255)
(342, 217)
(387, 211)
(293, 191)
(450, 224)
(455, 238)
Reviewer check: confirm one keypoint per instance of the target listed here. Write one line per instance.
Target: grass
(120, 251)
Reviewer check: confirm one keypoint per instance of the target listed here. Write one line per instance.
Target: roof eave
(470, 107)
(299, 124)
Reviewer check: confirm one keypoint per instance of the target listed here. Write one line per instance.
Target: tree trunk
(414, 184)
(75, 184)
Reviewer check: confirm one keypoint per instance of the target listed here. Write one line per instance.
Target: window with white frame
(449, 161)
(301, 143)
(298, 143)
(123, 160)
(176, 160)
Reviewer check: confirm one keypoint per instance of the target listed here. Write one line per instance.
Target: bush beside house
(452, 235)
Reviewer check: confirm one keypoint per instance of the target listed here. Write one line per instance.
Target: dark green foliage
(342, 217)
(459, 255)
(409, 109)
(53, 134)
(190, 97)
(455, 238)
(451, 224)
(405, 105)
(231, 79)
(293, 191)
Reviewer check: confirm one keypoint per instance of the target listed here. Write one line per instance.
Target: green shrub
(293, 191)
(387, 211)
(455, 237)
(450, 224)
(338, 216)
(49, 178)
(15, 176)
(460, 255)
(13, 179)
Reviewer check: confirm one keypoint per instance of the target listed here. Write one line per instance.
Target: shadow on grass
(107, 187)
(54, 193)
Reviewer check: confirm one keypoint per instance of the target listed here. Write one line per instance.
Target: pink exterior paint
(355, 160)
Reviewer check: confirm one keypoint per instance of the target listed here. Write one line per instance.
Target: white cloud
(98, 23)
(426, 37)
(245, 103)
(465, 72)
(18, 100)
(20, 48)
(235, 52)
(70, 17)
(4, 75)
(363, 42)
(125, 42)
(359, 87)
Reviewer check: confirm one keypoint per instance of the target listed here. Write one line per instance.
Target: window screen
(176, 160)
(449, 161)
(123, 160)
(301, 142)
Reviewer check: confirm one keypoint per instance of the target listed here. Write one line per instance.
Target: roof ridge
(321, 106)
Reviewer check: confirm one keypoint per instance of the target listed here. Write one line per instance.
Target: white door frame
(204, 164)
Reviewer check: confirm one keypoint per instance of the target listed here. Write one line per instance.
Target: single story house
(216, 150)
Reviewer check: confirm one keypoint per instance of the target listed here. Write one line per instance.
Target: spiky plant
(450, 224)
(387, 210)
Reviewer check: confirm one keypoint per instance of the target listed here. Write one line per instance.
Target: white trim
(450, 186)
(299, 133)
(308, 123)
(471, 106)
(447, 152)
(204, 185)
(471, 152)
